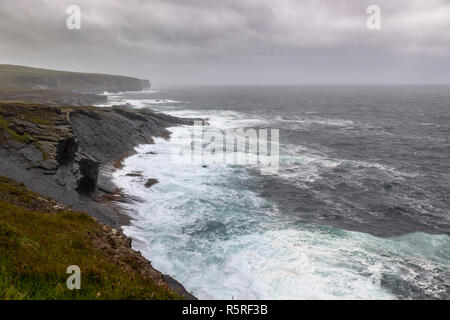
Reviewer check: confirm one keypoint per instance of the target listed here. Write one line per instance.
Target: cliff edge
(67, 153)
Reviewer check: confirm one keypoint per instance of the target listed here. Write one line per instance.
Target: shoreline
(68, 154)
(124, 219)
(106, 184)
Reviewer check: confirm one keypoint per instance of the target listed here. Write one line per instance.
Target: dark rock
(134, 174)
(107, 135)
(178, 287)
(66, 150)
(72, 169)
(151, 182)
(129, 114)
(89, 174)
(88, 113)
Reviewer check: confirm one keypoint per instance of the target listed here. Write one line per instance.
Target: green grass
(31, 112)
(38, 243)
(16, 70)
(4, 126)
(13, 76)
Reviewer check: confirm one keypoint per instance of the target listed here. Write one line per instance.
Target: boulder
(151, 182)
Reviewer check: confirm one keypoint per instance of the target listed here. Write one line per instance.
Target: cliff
(67, 153)
(50, 96)
(26, 77)
(40, 238)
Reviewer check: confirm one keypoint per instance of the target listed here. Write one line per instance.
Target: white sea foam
(120, 98)
(315, 121)
(221, 240)
(300, 165)
(142, 103)
(122, 93)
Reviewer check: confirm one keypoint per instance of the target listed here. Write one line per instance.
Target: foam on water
(300, 165)
(306, 121)
(137, 100)
(122, 93)
(223, 241)
(210, 230)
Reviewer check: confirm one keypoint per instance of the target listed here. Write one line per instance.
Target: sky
(234, 42)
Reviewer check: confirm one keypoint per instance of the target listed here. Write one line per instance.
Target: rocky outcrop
(109, 133)
(118, 246)
(66, 149)
(68, 153)
(88, 175)
(151, 182)
(107, 249)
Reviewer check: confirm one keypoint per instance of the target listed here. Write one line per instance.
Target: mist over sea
(359, 208)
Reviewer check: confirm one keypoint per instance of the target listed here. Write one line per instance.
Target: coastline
(113, 196)
(170, 235)
(70, 158)
(124, 219)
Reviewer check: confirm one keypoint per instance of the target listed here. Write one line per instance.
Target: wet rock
(178, 287)
(151, 182)
(134, 174)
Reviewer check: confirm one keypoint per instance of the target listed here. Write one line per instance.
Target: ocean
(358, 209)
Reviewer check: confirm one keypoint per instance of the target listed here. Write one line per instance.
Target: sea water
(359, 208)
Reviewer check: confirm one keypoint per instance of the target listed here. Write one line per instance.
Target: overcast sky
(234, 41)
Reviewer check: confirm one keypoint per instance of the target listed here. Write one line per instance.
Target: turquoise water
(213, 229)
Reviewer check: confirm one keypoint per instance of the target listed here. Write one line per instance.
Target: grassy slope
(20, 76)
(39, 239)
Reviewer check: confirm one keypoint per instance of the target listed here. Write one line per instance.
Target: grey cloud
(230, 41)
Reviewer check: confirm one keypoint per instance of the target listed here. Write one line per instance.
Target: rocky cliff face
(68, 153)
(47, 96)
(26, 77)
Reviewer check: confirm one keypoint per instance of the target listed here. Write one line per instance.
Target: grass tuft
(39, 240)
